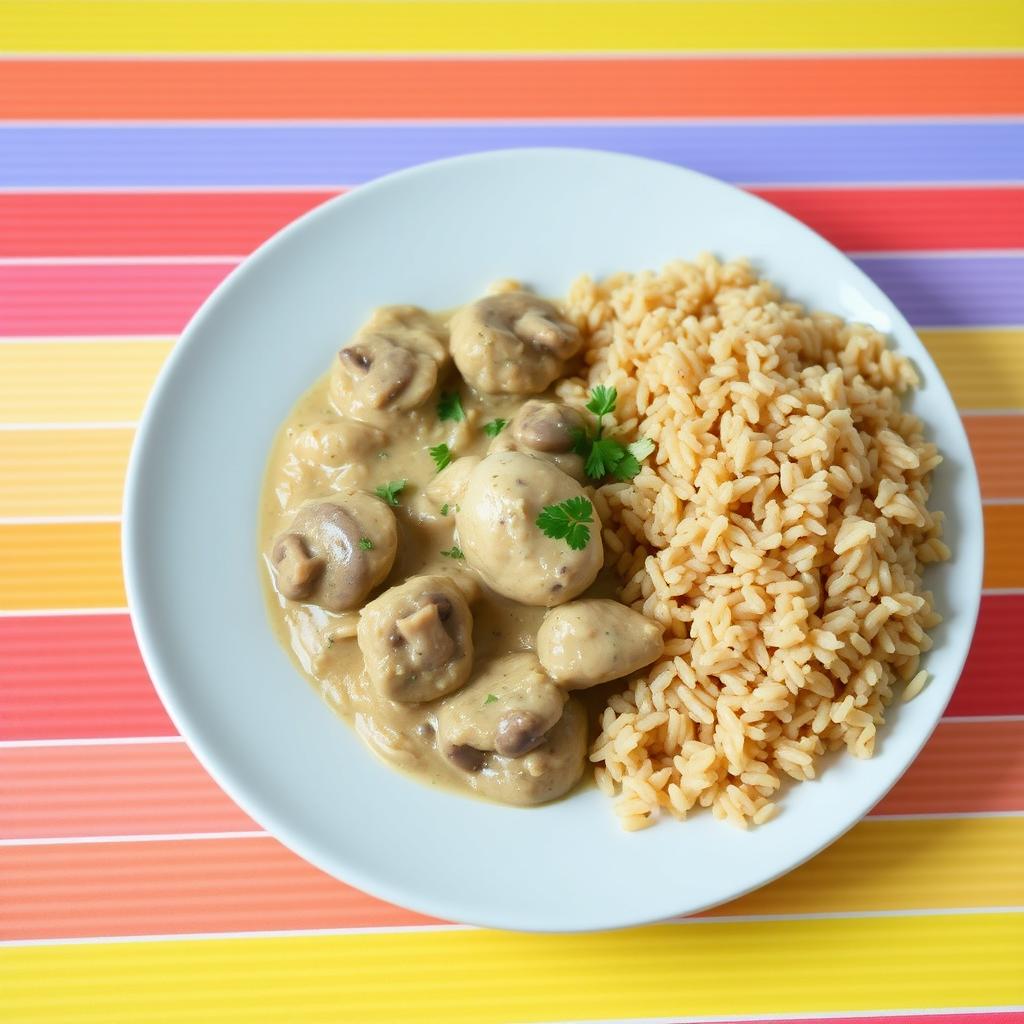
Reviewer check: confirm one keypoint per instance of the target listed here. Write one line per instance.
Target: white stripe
(869, 186)
(83, 339)
(146, 190)
(1002, 501)
(107, 261)
(932, 254)
(684, 121)
(56, 520)
(1002, 592)
(703, 922)
(752, 55)
(170, 837)
(837, 1015)
(112, 741)
(948, 816)
(45, 613)
(979, 719)
(82, 425)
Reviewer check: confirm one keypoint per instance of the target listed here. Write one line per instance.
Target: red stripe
(74, 676)
(217, 223)
(761, 86)
(71, 676)
(991, 680)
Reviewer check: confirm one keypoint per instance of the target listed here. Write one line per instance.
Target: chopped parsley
(606, 456)
(444, 509)
(495, 427)
(453, 552)
(449, 407)
(491, 699)
(441, 454)
(389, 492)
(569, 521)
(365, 544)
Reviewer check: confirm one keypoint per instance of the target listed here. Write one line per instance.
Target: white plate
(437, 236)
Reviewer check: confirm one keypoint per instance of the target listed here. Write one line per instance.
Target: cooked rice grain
(778, 533)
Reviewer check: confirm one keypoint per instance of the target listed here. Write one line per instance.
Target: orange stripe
(216, 885)
(495, 88)
(111, 790)
(1004, 552)
(160, 789)
(61, 565)
(998, 446)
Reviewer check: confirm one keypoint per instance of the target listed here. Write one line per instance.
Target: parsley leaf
(491, 699)
(627, 467)
(602, 401)
(453, 552)
(389, 492)
(365, 544)
(449, 407)
(441, 454)
(495, 427)
(568, 521)
(605, 455)
(444, 509)
(580, 442)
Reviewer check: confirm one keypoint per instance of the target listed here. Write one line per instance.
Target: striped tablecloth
(146, 148)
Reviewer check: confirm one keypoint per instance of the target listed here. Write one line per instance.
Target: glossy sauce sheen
(323, 643)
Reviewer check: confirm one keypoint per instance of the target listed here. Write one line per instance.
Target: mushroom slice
(584, 643)
(507, 710)
(335, 551)
(391, 365)
(417, 640)
(546, 430)
(512, 343)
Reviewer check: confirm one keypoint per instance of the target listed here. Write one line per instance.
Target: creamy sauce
(319, 452)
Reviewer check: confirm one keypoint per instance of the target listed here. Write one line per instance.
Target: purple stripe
(953, 291)
(348, 154)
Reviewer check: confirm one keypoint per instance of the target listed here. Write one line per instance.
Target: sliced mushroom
(584, 643)
(391, 365)
(417, 640)
(508, 710)
(335, 551)
(500, 538)
(546, 430)
(512, 343)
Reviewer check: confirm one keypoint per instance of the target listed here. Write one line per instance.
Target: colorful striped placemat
(146, 148)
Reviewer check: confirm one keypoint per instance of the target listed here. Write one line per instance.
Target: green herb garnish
(495, 427)
(605, 456)
(569, 521)
(441, 454)
(491, 699)
(453, 552)
(444, 509)
(365, 544)
(389, 492)
(449, 407)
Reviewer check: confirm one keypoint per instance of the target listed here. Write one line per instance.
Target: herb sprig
(449, 407)
(390, 491)
(495, 427)
(606, 456)
(441, 454)
(569, 520)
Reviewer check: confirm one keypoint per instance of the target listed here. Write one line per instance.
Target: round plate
(436, 236)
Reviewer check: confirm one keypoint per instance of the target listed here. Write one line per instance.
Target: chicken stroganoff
(433, 558)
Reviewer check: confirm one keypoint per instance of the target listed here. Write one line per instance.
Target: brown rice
(778, 533)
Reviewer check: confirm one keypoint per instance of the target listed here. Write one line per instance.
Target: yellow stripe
(511, 25)
(63, 472)
(105, 381)
(903, 865)
(62, 382)
(984, 368)
(471, 977)
(65, 565)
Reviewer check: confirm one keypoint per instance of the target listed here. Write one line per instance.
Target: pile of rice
(778, 533)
